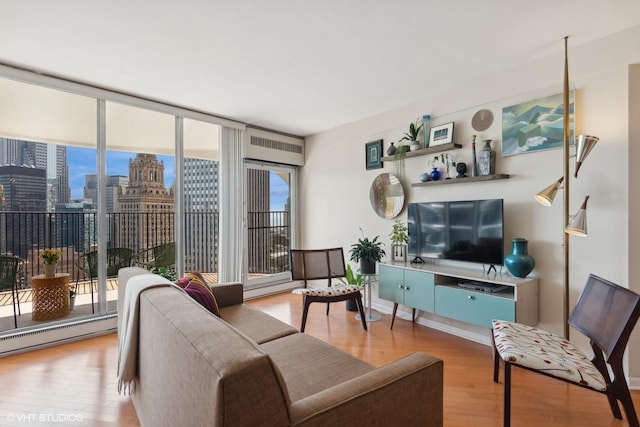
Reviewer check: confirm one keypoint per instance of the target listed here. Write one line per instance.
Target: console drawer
(473, 307)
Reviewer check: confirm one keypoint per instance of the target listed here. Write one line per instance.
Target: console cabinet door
(390, 284)
(419, 290)
(473, 307)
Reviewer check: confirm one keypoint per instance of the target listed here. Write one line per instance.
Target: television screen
(470, 230)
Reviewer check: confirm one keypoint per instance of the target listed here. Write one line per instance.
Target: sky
(82, 161)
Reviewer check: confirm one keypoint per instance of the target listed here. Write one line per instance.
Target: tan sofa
(247, 368)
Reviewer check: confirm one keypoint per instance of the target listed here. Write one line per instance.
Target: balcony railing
(26, 234)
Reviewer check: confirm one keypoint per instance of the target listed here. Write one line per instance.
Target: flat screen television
(470, 230)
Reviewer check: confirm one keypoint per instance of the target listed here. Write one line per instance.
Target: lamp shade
(584, 145)
(578, 225)
(546, 196)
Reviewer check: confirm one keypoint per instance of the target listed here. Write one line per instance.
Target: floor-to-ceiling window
(201, 198)
(41, 131)
(88, 170)
(87, 192)
(269, 222)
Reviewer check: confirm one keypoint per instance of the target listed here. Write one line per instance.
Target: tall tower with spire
(145, 208)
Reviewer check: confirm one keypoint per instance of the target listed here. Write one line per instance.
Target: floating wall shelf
(425, 151)
(463, 180)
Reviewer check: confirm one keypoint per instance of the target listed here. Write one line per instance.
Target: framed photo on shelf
(373, 153)
(441, 135)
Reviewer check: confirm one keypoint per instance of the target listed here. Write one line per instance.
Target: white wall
(334, 184)
(634, 205)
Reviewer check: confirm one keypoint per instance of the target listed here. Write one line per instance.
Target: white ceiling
(293, 65)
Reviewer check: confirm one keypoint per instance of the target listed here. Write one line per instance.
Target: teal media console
(447, 291)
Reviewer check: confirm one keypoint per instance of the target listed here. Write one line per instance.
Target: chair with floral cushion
(606, 314)
(316, 264)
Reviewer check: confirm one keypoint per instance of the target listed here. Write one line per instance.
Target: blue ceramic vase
(435, 174)
(519, 262)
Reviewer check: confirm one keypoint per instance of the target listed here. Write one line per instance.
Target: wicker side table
(50, 296)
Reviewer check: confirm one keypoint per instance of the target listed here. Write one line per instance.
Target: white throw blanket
(128, 335)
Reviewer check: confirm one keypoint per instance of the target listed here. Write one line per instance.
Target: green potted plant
(367, 253)
(399, 240)
(354, 279)
(412, 135)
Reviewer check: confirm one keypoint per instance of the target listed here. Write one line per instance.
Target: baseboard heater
(31, 339)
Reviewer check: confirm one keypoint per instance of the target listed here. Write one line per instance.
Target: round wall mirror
(387, 196)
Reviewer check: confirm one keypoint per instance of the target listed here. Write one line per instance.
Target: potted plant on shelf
(50, 257)
(367, 253)
(412, 135)
(352, 279)
(399, 240)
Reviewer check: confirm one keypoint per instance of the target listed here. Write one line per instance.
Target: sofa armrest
(227, 294)
(407, 392)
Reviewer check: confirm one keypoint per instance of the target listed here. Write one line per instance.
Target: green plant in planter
(414, 130)
(399, 239)
(399, 234)
(351, 278)
(367, 253)
(166, 273)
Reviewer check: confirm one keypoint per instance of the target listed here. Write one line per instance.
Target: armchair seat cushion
(327, 292)
(544, 351)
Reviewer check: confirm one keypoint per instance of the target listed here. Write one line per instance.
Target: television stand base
(417, 260)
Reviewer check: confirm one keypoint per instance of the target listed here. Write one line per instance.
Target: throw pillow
(199, 291)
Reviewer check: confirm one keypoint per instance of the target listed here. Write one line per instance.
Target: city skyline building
(25, 191)
(145, 208)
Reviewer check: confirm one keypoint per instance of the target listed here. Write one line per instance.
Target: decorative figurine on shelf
(391, 150)
(448, 161)
(474, 163)
(461, 168)
(425, 177)
(487, 159)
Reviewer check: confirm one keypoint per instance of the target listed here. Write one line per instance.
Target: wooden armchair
(314, 264)
(606, 313)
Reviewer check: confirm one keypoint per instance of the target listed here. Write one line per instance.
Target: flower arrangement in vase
(50, 257)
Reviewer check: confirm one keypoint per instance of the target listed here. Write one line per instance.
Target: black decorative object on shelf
(461, 168)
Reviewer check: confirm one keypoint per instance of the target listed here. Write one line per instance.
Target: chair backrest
(8, 271)
(606, 313)
(117, 258)
(164, 255)
(312, 264)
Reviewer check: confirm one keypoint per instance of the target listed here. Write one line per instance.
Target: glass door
(269, 222)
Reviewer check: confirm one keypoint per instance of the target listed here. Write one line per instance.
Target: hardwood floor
(79, 379)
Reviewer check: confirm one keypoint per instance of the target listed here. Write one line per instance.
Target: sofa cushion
(256, 324)
(196, 287)
(309, 365)
(203, 295)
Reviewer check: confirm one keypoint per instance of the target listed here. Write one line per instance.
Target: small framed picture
(373, 154)
(440, 135)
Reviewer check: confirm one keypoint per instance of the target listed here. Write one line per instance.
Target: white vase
(50, 270)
